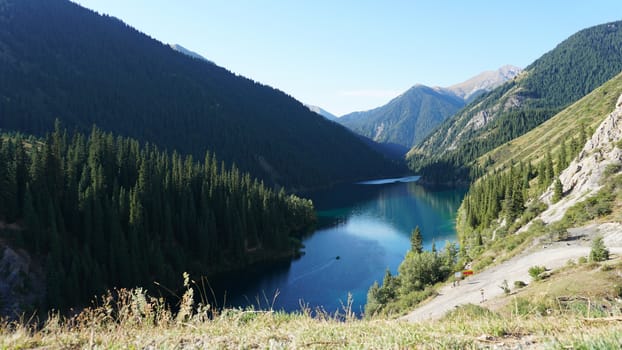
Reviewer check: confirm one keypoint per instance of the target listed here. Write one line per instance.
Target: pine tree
(599, 251)
(416, 241)
(478, 239)
(373, 304)
(389, 286)
(575, 147)
(549, 172)
(558, 191)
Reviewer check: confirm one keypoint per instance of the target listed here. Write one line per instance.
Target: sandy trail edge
(552, 256)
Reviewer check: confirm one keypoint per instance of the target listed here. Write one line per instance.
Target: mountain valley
(411, 117)
(140, 180)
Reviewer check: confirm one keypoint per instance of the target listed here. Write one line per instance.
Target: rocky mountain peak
(321, 111)
(188, 52)
(483, 82)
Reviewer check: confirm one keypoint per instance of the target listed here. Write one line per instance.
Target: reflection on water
(362, 231)
(390, 181)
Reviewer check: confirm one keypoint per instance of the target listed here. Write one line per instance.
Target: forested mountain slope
(575, 67)
(59, 60)
(517, 173)
(406, 119)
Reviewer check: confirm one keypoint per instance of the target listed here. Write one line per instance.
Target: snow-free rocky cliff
(483, 82)
(583, 176)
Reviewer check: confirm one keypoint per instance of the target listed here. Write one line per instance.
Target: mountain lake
(363, 229)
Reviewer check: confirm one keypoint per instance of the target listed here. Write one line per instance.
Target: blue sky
(350, 55)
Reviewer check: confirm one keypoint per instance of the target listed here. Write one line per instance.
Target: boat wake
(313, 270)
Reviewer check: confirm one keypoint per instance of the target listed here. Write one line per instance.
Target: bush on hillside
(599, 251)
(536, 272)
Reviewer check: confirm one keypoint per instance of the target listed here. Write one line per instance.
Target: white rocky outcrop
(378, 133)
(583, 176)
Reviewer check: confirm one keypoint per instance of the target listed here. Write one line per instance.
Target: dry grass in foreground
(576, 307)
(131, 319)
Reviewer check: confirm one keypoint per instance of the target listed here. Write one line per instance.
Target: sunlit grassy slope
(590, 111)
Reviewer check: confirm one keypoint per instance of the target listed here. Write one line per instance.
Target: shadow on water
(253, 286)
(362, 231)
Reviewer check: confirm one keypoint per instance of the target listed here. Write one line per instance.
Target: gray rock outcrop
(582, 178)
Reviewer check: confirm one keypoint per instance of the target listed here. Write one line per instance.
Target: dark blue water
(363, 229)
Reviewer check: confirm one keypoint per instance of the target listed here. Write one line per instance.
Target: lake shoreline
(368, 227)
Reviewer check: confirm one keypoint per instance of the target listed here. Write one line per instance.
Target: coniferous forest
(511, 193)
(101, 211)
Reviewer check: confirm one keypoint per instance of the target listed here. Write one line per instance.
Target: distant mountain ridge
(187, 52)
(324, 113)
(483, 82)
(409, 118)
(406, 119)
(563, 75)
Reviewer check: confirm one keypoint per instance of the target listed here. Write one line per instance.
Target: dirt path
(516, 269)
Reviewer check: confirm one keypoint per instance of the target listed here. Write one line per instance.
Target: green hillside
(587, 113)
(59, 60)
(575, 67)
(517, 173)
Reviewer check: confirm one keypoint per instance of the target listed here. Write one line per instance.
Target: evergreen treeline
(59, 60)
(457, 165)
(101, 211)
(504, 195)
(575, 67)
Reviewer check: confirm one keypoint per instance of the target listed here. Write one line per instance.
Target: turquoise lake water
(363, 229)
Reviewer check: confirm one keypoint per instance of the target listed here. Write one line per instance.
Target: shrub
(414, 298)
(420, 270)
(481, 264)
(596, 206)
(599, 252)
(519, 284)
(558, 231)
(536, 272)
(522, 306)
(611, 169)
(537, 226)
